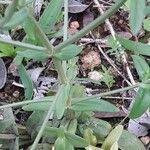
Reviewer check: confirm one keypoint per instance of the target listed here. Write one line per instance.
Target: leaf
(60, 144)
(114, 146)
(49, 17)
(90, 147)
(27, 83)
(42, 146)
(94, 104)
(29, 30)
(8, 122)
(75, 140)
(128, 141)
(113, 137)
(76, 6)
(136, 47)
(51, 131)
(142, 67)
(3, 74)
(146, 24)
(137, 14)
(77, 90)
(100, 127)
(31, 54)
(39, 106)
(68, 52)
(7, 49)
(141, 104)
(34, 121)
(16, 19)
(61, 100)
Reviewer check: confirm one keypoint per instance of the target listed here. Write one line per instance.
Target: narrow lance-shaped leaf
(75, 140)
(142, 67)
(39, 106)
(136, 47)
(137, 14)
(128, 141)
(93, 104)
(113, 137)
(27, 83)
(60, 144)
(51, 131)
(141, 104)
(68, 52)
(31, 54)
(61, 100)
(16, 19)
(50, 15)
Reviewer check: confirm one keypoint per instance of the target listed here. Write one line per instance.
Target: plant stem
(65, 36)
(23, 103)
(10, 11)
(50, 48)
(40, 133)
(60, 70)
(106, 93)
(41, 35)
(23, 45)
(76, 101)
(65, 30)
(92, 25)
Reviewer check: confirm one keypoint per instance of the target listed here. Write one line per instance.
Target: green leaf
(31, 54)
(94, 104)
(90, 147)
(61, 100)
(27, 83)
(60, 144)
(137, 14)
(30, 30)
(49, 17)
(51, 131)
(7, 50)
(42, 146)
(147, 24)
(8, 122)
(16, 19)
(141, 104)
(72, 126)
(113, 137)
(41, 106)
(75, 140)
(114, 146)
(128, 141)
(142, 67)
(34, 121)
(100, 127)
(77, 90)
(68, 52)
(136, 47)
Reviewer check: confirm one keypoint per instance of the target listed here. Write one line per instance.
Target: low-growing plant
(66, 120)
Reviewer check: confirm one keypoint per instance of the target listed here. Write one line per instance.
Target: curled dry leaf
(76, 7)
(3, 74)
(91, 60)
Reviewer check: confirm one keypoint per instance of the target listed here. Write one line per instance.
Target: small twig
(91, 26)
(110, 27)
(111, 62)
